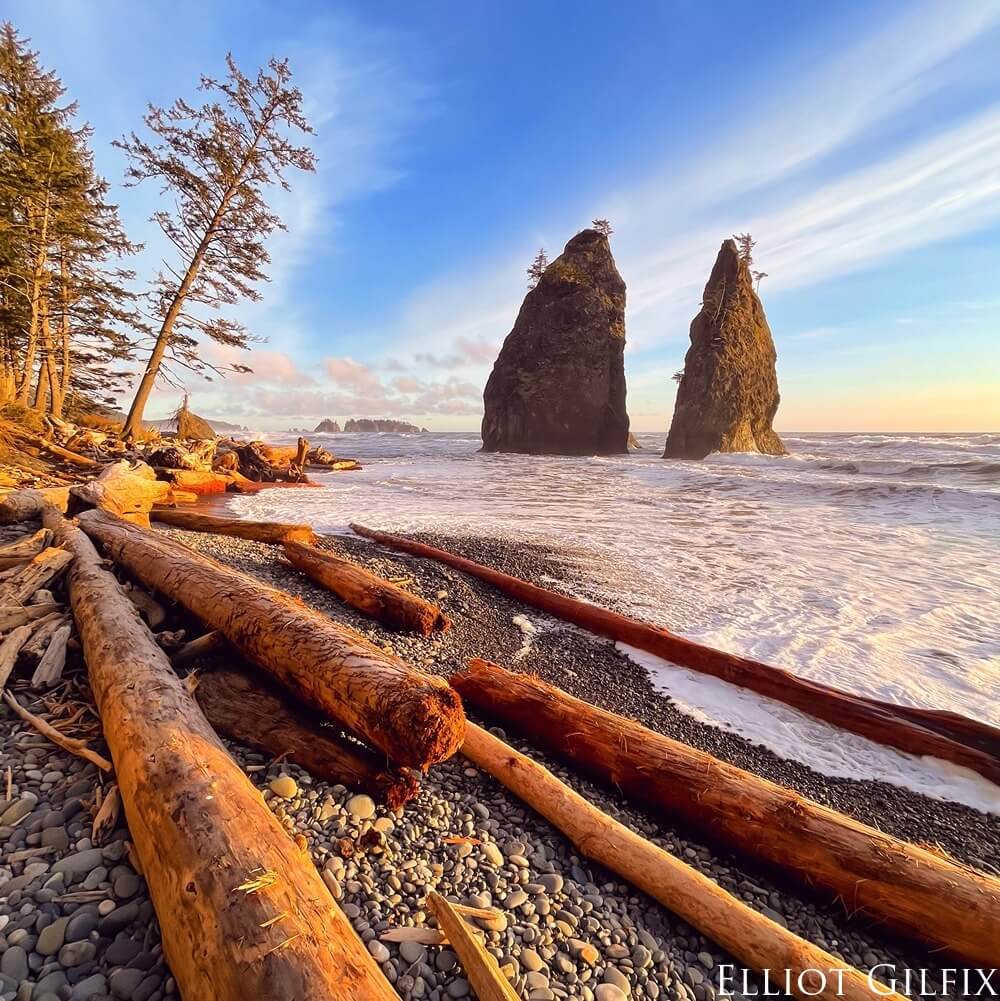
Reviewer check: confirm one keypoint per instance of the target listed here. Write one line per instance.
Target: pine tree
(745, 244)
(216, 163)
(602, 226)
(537, 269)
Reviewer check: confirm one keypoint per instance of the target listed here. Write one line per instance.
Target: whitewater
(865, 561)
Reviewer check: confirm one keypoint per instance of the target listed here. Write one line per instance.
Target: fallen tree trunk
(257, 531)
(367, 592)
(872, 873)
(243, 912)
(18, 552)
(415, 718)
(195, 649)
(200, 482)
(253, 712)
(23, 505)
(872, 718)
(750, 936)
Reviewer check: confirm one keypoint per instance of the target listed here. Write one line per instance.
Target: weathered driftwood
(254, 712)
(23, 505)
(20, 551)
(870, 872)
(194, 650)
(755, 940)
(43, 631)
(10, 649)
(243, 912)
(360, 588)
(122, 489)
(53, 449)
(150, 609)
(42, 569)
(50, 667)
(257, 531)
(415, 718)
(200, 482)
(481, 968)
(12, 616)
(877, 720)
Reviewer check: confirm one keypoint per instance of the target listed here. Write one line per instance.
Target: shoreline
(654, 953)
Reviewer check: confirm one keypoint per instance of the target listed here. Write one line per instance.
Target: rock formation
(327, 427)
(728, 394)
(558, 384)
(380, 424)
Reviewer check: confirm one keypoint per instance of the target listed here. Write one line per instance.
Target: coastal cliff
(558, 384)
(327, 426)
(728, 394)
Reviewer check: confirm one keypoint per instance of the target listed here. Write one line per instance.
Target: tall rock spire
(728, 395)
(558, 384)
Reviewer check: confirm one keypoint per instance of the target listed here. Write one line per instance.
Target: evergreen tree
(602, 226)
(216, 162)
(537, 269)
(745, 244)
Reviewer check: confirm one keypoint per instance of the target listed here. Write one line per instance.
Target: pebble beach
(76, 923)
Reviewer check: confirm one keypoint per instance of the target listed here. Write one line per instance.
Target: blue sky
(858, 142)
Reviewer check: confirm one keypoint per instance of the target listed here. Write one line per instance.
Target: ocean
(866, 561)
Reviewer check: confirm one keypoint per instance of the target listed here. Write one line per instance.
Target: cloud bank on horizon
(861, 147)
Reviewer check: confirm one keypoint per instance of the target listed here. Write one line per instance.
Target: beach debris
(413, 717)
(752, 938)
(275, 532)
(217, 862)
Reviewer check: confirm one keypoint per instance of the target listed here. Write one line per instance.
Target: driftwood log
(415, 718)
(52, 448)
(195, 481)
(23, 505)
(361, 589)
(880, 721)
(243, 912)
(16, 553)
(752, 938)
(257, 531)
(254, 712)
(32, 576)
(872, 873)
(122, 489)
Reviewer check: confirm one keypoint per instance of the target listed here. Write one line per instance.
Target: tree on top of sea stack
(728, 392)
(216, 163)
(190, 425)
(558, 384)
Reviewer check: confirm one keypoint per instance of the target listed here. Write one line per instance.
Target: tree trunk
(43, 568)
(257, 531)
(751, 937)
(197, 482)
(252, 711)
(369, 593)
(242, 910)
(415, 718)
(871, 872)
(882, 722)
(37, 286)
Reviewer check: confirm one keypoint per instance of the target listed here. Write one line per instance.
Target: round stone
(492, 854)
(284, 786)
(613, 976)
(608, 992)
(412, 952)
(52, 938)
(378, 950)
(362, 807)
(458, 988)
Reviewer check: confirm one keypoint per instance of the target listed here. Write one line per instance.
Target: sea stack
(728, 394)
(558, 384)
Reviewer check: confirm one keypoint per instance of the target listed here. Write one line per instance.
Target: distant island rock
(381, 424)
(728, 393)
(558, 384)
(327, 427)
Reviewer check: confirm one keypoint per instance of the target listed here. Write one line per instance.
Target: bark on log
(750, 936)
(872, 873)
(254, 712)
(361, 589)
(879, 721)
(243, 912)
(23, 505)
(258, 531)
(415, 718)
